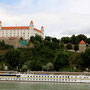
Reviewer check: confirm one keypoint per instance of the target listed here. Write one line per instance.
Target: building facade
(20, 31)
(82, 46)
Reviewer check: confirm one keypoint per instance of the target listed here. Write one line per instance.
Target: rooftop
(19, 28)
(82, 42)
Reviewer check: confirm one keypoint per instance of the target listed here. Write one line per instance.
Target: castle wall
(82, 47)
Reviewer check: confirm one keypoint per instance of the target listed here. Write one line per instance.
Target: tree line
(48, 54)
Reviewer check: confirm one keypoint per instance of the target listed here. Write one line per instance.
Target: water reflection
(43, 86)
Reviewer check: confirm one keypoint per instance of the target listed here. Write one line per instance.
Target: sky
(59, 17)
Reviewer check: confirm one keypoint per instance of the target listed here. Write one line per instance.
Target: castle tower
(31, 26)
(82, 46)
(42, 30)
(0, 25)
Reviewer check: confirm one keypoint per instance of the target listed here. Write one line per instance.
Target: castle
(20, 31)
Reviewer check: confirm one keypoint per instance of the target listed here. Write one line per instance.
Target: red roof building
(82, 46)
(82, 42)
(20, 31)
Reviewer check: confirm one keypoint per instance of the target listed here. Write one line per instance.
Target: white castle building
(20, 31)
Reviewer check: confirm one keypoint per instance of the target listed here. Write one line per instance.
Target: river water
(43, 86)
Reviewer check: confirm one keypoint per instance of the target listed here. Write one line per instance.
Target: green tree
(35, 65)
(61, 46)
(48, 67)
(81, 37)
(61, 60)
(76, 47)
(38, 38)
(86, 58)
(88, 40)
(2, 43)
(74, 39)
(65, 40)
(47, 38)
(15, 59)
(36, 43)
(69, 46)
(32, 38)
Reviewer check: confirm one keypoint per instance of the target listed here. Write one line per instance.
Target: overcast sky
(59, 17)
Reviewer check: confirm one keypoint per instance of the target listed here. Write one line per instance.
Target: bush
(69, 46)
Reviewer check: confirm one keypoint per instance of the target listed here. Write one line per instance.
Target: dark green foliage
(32, 38)
(14, 58)
(82, 61)
(65, 40)
(61, 60)
(86, 58)
(81, 37)
(2, 43)
(61, 46)
(74, 39)
(69, 46)
(35, 65)
(88, 40)
(47, 38)
(47, 54)
(35, 39)
(48, 67)
(76, 47)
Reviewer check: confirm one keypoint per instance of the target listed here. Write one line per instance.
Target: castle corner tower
(31, 27)
(82, 46)
(0, 25)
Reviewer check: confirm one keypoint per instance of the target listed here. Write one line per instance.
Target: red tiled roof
(37, 30)
(13, 37)
(14, 28)
(3, 37)
(82, 42)
(42, 27)
(31, 22)
(18, 27)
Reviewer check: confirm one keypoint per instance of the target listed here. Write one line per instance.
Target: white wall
(26, 34)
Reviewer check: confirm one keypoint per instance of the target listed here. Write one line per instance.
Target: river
(43, 86)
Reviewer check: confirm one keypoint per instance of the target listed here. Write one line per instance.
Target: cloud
(59, 17)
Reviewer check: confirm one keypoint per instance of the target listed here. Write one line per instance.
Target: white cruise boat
(47, 77)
